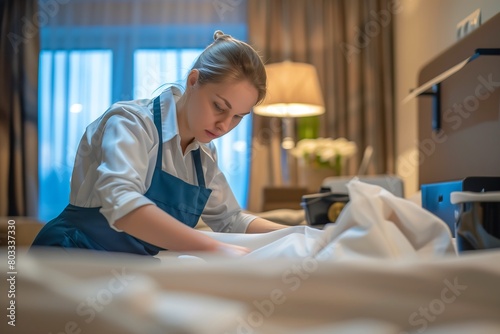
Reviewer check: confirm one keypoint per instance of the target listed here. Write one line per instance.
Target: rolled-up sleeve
(127, 145)
(222, 212)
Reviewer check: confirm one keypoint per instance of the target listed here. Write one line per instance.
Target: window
(75, 87)
(86, 65)
(153, 68)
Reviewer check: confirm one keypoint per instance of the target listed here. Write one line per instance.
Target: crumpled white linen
(294, 242)
(374, 224)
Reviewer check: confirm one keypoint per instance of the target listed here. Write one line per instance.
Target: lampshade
(293, 90)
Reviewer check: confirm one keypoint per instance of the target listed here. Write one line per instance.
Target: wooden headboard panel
(468, 143)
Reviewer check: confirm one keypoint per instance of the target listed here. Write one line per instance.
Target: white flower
(324, 151)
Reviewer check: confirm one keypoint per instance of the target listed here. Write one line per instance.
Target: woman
(146, 170)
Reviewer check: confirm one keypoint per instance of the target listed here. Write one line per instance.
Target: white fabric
(374, 224)
(117, 156)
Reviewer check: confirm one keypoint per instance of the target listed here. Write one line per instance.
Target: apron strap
(196, 153)
(157, 120)
(199, 169)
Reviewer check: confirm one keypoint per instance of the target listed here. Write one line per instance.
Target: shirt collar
(168, 98)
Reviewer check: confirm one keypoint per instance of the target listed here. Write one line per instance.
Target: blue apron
(78, 227)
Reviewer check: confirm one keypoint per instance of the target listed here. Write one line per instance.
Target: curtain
(19, 46)
(350, 44)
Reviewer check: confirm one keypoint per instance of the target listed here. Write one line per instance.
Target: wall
(423, 29)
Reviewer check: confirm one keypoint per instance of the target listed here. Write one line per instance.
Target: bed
(385, 273)
(91, 293)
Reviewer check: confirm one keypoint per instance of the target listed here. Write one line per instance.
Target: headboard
(459, 109)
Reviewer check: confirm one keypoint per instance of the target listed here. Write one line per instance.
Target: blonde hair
(230, 59)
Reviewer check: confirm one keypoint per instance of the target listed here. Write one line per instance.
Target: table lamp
(293, 90)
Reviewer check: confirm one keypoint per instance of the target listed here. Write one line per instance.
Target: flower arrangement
(325, 152)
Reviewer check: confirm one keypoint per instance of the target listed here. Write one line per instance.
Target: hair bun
(218, 34)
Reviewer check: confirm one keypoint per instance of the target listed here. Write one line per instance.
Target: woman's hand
(232, 250)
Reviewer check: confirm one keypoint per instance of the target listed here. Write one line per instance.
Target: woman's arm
(261, 225)
(151, 224)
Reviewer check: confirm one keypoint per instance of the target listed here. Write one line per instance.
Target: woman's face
(212, 110)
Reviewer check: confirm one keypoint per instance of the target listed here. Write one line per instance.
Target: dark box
(323, 208)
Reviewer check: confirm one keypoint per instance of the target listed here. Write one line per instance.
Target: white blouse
(116, 158)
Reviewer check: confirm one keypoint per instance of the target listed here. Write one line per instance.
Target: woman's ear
(193, 78)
